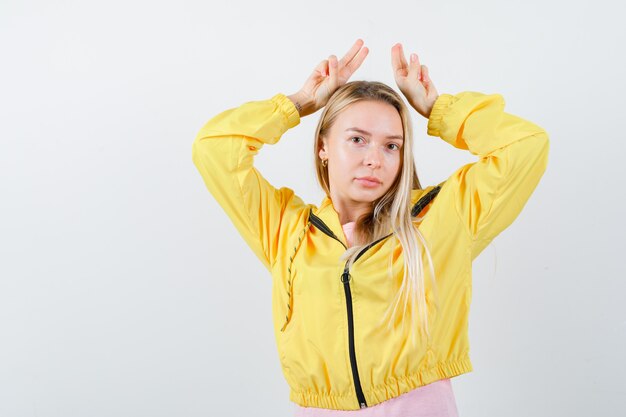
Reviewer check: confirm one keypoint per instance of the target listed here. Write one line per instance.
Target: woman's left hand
(413, 81)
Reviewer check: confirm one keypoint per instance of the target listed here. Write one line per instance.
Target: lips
(372, 179)
(368, 181)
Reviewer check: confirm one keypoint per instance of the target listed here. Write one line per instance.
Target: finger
(332, 73)
(347, 58)
(321, 68)
(419, 67)
(358, 60)
(424, 72)
(414, 67)
(398, 61)
(429, 82)
(326, 71)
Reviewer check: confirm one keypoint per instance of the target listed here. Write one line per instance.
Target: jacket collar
(328, 214)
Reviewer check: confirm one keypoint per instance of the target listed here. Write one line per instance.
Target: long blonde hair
(392, 211)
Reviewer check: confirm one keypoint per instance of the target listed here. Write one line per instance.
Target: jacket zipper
(345, 279)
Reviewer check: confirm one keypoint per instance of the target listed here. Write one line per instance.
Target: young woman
(371, 289)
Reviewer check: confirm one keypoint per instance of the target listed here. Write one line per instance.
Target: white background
(125, 290)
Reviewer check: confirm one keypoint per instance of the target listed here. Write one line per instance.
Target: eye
(356, 137)
(396, 146)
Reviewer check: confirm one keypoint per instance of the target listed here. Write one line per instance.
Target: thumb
(321, 69)
(425, 77)
(428, 83)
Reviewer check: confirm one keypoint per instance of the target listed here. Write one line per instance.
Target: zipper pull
(345, 277)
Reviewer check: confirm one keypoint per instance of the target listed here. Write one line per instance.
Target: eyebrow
(365, 132)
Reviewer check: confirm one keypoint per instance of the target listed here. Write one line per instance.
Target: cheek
(393, 165)
(346, 161)
(392, 173)
(342, 169)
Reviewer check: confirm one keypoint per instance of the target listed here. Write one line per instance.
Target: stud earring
(325, 162)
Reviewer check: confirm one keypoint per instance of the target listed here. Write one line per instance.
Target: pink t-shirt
(435, 399)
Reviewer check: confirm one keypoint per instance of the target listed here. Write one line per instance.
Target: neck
(349, 210)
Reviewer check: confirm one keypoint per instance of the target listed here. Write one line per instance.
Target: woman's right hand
(327, 77)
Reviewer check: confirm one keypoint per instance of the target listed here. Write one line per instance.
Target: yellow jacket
(332, 353)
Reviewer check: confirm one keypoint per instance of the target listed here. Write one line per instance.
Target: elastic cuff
(441, 106)
(289, 109)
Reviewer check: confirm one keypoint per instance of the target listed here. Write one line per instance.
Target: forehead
(376, 117)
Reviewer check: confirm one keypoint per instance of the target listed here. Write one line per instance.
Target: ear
(323, 148)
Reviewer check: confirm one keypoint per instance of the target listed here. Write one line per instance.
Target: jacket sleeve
(513, 154)
(223, 153)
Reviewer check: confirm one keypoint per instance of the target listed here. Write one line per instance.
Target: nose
(372, 158)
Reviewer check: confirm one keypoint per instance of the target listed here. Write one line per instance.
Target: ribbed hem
(441, 106)
(393, 388)
(287, 107)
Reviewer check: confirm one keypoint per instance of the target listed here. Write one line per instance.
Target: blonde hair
(392, 211)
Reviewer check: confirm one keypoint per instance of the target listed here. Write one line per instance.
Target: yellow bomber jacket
(332, 352)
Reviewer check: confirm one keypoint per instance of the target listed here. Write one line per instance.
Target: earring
(325, 162)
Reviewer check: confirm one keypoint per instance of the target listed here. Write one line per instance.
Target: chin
(367, 197)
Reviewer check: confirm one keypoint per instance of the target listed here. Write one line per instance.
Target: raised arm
(490, 193)
(224, 150)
